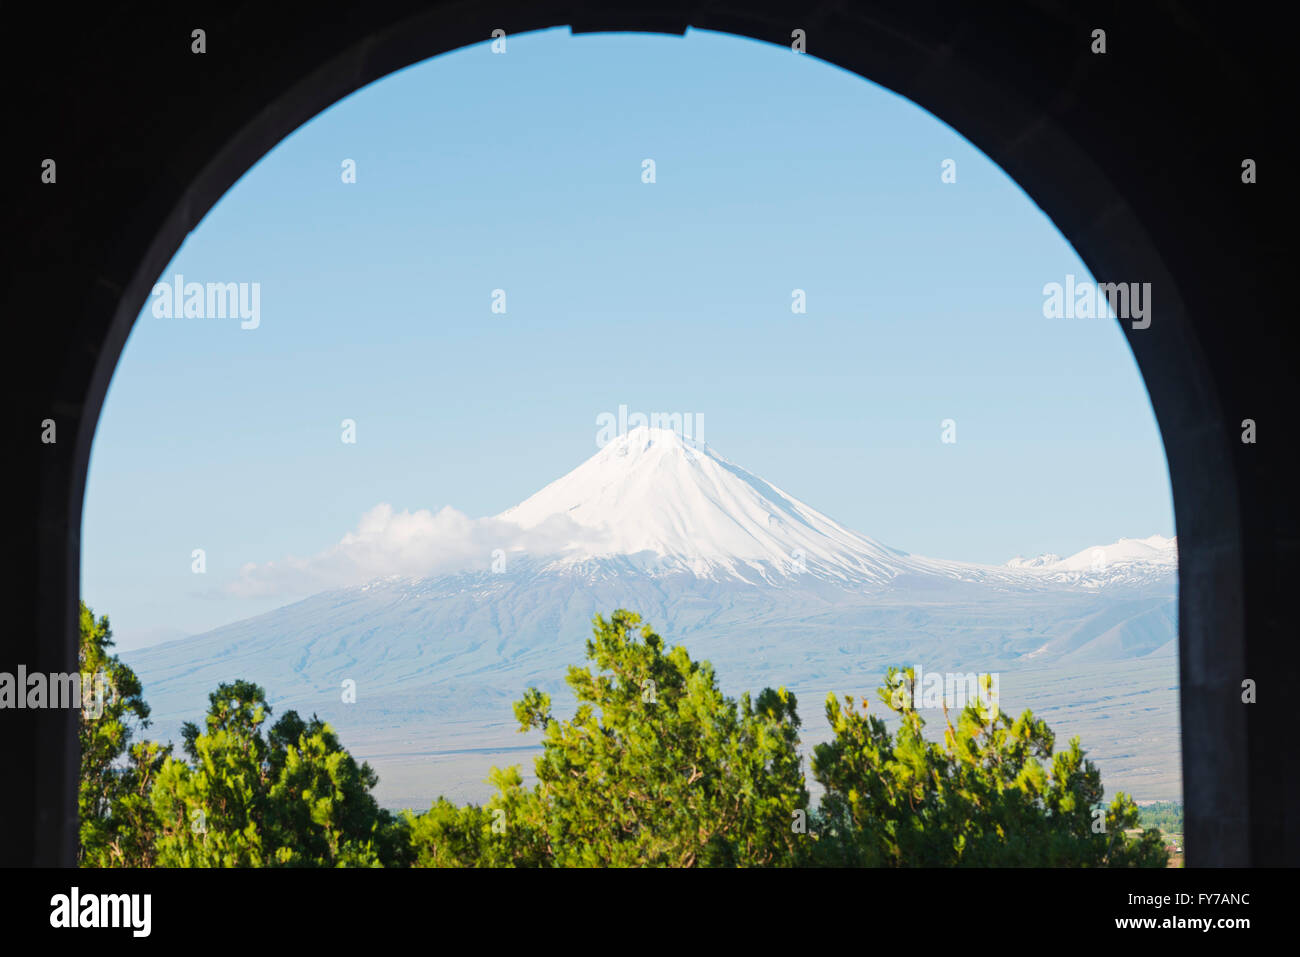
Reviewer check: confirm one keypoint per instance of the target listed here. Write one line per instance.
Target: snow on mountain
(657, 503)
(1128, 561)
(1156, 550)
(1042, 561)
(675, 505)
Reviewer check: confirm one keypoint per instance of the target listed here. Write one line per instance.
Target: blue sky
(522, 172)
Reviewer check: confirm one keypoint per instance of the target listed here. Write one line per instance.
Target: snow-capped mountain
(771, 590)
(673, 504)
(659, 503)
(1130, 561)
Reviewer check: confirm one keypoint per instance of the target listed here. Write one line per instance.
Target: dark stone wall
(1135, 155)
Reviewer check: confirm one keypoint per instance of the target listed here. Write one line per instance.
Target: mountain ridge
(680, 506)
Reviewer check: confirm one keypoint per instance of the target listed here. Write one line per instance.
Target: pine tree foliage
(655, 768)
(995, 792)
(293, 797)
(117, 775)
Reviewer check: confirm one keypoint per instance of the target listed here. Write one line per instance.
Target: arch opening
(1049, 163)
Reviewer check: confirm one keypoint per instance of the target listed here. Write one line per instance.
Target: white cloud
(419, 544)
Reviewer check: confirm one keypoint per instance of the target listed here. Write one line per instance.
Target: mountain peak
(655, 501)
(1129, 560)
(634, 447)
(677, 504)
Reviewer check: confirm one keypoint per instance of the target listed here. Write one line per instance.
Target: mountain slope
(681, 506)
(771, 590)
(1130, 561)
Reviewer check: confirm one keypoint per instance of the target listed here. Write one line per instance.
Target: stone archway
(1100, 142)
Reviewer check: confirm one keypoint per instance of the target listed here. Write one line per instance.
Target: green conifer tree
(993, 793)
(117, 823)
(656, 768)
